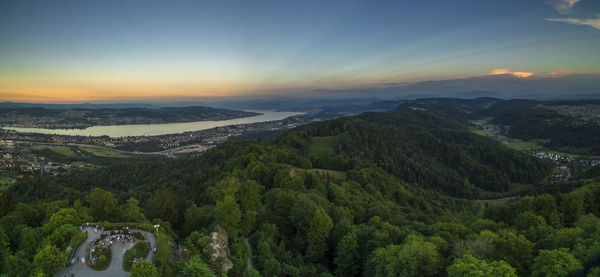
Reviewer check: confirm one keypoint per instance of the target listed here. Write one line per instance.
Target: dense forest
(380, 194)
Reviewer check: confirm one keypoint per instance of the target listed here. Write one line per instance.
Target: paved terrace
(115, 269)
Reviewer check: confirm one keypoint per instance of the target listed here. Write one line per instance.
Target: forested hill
(370, 195)
(420, 148)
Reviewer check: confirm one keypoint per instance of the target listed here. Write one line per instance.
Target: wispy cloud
(560, 73)
(518, 74)
(562, 6)
(592, 22)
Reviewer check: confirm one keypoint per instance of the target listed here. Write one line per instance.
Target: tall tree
(49, 260)
(103, 204)
(416, 257)
(469, 266)
(516, 250)
(227, 208)
(6, 203)
(196, 218)
(167, 205)
(17, 265)
(195, 267)
(554, 263)
(228, 213)
(30, 241)
(347, 259)
(318, 232)
(63, 217)
(133, 213)
(250, 205)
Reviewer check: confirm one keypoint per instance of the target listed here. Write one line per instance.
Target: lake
(157, 129)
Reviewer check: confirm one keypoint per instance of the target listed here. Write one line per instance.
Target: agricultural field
(6, 182)
(513, 143)
(102, 152)
(334, 174)
(321, 145)
(61, 150)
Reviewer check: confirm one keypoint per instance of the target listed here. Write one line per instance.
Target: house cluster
(553, 157)
(585, 113)
(485, 127)
(563, 175)
(19, 161)
(587, 163)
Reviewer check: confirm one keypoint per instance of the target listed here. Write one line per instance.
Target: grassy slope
(62, 150)
(100, 152)
(334, 174)
(320, 145)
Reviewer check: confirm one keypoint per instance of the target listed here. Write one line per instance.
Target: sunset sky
(77, 51)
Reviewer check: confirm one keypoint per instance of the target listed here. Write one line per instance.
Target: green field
(486, 120)
(524, 145)
(62, 150)
(513, 143)
(484, 203)
(107, 153)
(334, 174)
(320, 145)
(6, 182)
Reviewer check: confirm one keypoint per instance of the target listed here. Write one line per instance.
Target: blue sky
(61, 51)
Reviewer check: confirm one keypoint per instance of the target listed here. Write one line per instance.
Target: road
(115, 269)
(170, 153)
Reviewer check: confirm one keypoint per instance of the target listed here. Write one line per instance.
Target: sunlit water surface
(157, 129)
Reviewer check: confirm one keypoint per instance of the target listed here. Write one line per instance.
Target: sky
(95, 51)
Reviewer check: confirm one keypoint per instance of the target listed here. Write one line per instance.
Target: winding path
(115, 268)
(250, 263)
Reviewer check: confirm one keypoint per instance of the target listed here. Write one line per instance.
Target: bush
(142, 226)
(101, 263)
(163, 251)
(144, 269)
(139, 236)
(140, 249)
(74, 243)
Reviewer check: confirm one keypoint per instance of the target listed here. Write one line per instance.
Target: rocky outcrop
(217, 250)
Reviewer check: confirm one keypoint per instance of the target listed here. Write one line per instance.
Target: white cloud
(592, 22)
(562, 6)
